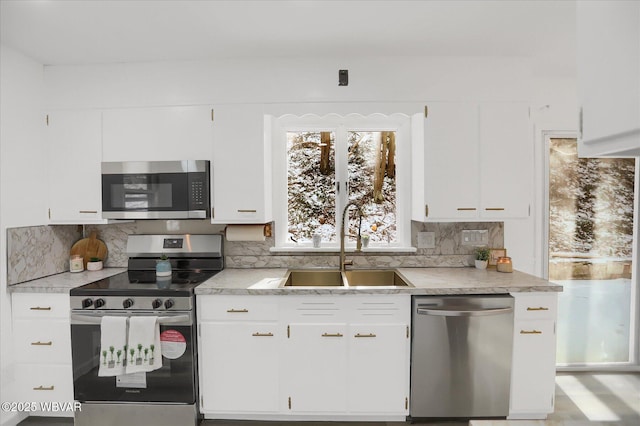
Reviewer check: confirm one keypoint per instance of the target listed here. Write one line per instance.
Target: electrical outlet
(426, 240)
(475, 237)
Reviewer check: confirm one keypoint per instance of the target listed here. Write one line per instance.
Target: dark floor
(581, 398)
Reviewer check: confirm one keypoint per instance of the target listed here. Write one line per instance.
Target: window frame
(341, 125)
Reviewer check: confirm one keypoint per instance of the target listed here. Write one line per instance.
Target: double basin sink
(355, 278)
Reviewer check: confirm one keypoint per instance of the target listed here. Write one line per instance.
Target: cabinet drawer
(535, 306)
(315, 309)
(44, 383)
(240, 308)
(42, 341)
(381, 309)
(40, 305)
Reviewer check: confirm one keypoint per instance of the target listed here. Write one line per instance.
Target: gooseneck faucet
(344, 262)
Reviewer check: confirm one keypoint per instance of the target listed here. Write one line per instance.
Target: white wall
(22, 174)
(292, 85)
(288, 80)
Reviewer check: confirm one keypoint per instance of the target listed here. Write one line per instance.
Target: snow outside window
(325, 163)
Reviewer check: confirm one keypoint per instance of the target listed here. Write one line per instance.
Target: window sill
(369, 250)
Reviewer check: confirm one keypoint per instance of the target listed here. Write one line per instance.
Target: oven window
(174, 382)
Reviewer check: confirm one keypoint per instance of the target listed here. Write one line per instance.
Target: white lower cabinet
(534, 356)
(42, 350)
(378, 368)
(315, 368)
(239, 365)
(323, 357)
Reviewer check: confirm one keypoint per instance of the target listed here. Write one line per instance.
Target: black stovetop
(145, 283)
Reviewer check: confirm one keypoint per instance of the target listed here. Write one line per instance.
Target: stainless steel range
(168, 395)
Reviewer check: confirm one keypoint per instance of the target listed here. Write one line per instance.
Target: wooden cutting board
(90, 247)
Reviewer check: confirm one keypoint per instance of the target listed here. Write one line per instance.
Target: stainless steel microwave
(156, 189)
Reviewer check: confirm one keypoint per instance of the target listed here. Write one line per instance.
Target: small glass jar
(504, 264)
(163, 268)
(76, 263)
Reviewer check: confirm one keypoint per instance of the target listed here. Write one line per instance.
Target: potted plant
(94, 264)
(482, 257)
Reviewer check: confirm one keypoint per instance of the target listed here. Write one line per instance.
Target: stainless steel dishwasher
(461, 356)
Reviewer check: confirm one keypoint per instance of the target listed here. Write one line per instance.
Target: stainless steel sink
(312, 278)
(375, 278)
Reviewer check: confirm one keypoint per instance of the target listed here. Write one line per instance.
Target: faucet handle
(348, 262)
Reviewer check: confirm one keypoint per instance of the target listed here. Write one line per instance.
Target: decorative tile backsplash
(39, 251)
(448, 251)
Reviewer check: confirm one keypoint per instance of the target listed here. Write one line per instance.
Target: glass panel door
(591, 240)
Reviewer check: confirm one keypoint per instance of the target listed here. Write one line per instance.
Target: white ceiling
(59, 32)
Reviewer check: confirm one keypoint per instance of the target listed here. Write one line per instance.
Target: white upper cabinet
(506, 161)
(472, 162)
(608, 53)
(450, 161)
(241, 165)
(158, 133)
(74, 140)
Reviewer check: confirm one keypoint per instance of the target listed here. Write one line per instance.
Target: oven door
(175, 381)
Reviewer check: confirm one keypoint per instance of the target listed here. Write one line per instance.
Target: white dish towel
(113, 346)
(144, 345)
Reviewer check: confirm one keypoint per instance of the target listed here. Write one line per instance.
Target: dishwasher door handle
(464, 312)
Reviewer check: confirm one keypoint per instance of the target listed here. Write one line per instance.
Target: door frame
(634, 328)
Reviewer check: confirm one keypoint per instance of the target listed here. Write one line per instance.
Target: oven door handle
(90, 319)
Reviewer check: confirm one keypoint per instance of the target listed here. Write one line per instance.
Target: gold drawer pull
(331, 335)
(247, 211)
(262, 334)
(495, 208)
(88, 211)
(541, 308)
(39, 343)
(530, 332)
(38, 308)
(39, 388)
(466, 208)
(365, 335)
(237, 311)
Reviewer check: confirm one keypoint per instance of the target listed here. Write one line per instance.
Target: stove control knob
(127, 303)
(156, 303)
(87, 303)
(99, 303)
(168, 304)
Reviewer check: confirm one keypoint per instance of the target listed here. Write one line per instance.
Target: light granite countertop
(425, 281)
(62, 283)
(266, 281)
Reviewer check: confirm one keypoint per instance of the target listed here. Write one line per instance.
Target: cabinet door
(608, 54)
(75, 152)
(239, 367)
(315, 379)
(451, 161)
(241, 175)
(533, 370)
(158, 133)
(378, 368)
(506, 161)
